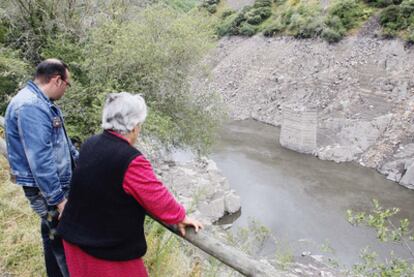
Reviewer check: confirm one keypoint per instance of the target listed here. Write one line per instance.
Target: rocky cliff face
(361, 89)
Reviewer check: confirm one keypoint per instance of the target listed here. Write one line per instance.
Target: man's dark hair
(47, 69)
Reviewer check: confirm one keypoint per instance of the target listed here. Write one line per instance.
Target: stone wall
(299, 129)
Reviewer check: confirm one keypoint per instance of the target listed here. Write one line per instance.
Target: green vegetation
(20, 241)
(387, 231)
(246, 21)
(116, 46)
(210, 5)
(182, 5)
(109, 46)
(399, 20)
(307, 19)
(13, 72)
(382, 3)
(342, 17)
(21, 246)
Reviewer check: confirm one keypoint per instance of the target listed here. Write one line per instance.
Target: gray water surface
(301, 199)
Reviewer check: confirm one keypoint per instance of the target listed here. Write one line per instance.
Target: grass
(20, 241)
(21, 248)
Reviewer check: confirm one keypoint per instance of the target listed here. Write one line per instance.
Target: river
(301, 199)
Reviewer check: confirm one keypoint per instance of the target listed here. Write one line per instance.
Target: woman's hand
(61, 206)
(189, 222)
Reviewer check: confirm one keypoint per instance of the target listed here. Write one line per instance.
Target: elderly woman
(113, 187)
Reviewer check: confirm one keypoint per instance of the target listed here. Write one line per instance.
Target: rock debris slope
(351, 101)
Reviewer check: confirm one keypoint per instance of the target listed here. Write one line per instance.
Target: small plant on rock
(380, 219)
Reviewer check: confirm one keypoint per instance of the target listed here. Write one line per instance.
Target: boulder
(408, 179)
(232, 202)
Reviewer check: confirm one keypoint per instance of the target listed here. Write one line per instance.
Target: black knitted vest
(100, 217)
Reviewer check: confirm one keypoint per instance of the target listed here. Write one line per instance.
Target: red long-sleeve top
(141, 183)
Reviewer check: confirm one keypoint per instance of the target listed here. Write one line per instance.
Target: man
(40, 154)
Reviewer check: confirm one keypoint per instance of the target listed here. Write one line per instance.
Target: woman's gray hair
(123, 111)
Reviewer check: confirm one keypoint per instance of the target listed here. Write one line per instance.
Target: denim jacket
(39, 152)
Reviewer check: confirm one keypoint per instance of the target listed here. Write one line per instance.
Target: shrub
(182, 5)
(331, 35)
(391, 16)
(4, 29)
(229, 26)
(68, 49)
(301, 21)
(154, 55)
(382, 3)
(13, 72)
(279, 2)
(227, 13)
(262, 3)
(212, 8)
(247, 29)
(349, 13)
(210, 5)
(407, 8)
(380, 219)
(410, 36)
(341, 17)
(273, 29)
(395, 18)
(250, 15)
(256, 16)
(254, 20)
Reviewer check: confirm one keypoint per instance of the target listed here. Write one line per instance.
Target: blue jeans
(52, 244)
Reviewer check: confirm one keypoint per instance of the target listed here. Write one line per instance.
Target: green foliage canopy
(112, 46)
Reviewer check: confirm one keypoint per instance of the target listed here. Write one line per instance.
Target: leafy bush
(154, 55)
(32, 23)
(227, 13)
(128, 48)
(4, 28)
(302, 20)
(241, 23)
(349, 13)
(279, 2)
(262, 3)
(391, 20)
(273, 29)
(182, 5)
(229, 26)
(212, 8)
(395, 18)
(247, 29)
(13, 72)
(331, 35)
(380, 220)
(343, 16)
(382, 3)
(410, 36)
(256, 16)
(210, 5)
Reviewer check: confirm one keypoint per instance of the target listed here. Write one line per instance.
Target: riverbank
(206, 193)
(350, 101)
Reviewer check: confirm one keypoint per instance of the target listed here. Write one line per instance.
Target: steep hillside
(362, 90)
(331, 20)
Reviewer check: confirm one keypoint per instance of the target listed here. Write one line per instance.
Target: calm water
(302, 199)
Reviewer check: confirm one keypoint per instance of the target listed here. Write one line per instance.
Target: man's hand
(189, 222)
(61, 207)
